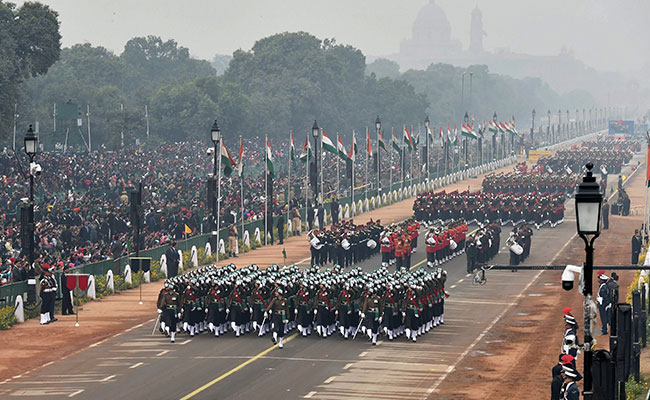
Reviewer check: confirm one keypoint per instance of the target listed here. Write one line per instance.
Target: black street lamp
(377, 130)
(532, 131)
(559, 125)
(27, 221)
(215, 136)
(465, 143)
(315, 132)
(427, 126)
(588, 206)
(548, 128)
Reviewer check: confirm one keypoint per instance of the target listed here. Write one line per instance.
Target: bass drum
(517, 249)
(453, 244)
(315, 243)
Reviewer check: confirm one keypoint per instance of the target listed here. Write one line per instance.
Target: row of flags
(339, 149)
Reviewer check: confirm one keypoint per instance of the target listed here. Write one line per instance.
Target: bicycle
(479, 276)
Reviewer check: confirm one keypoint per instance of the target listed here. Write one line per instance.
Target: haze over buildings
(569, 44)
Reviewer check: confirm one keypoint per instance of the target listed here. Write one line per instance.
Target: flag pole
(338, 174)
(241, 187)
(218, 198)
(368, 157)
(289, 182)
(402, 161)
(390, 163)
(320, 164)
(352, 177)
(266, 188)
(306, 184)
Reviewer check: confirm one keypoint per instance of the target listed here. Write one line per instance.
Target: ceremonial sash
(257, 293)
(304, 297)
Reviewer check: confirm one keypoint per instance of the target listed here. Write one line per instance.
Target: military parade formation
(344, 243)
(254, 300)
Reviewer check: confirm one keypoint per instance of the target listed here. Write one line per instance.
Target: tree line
(282, 83)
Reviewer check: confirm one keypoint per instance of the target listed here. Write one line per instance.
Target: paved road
(135, 364)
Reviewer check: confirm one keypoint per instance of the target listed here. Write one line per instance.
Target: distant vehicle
(621, 130)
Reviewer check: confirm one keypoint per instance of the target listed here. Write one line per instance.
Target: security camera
(35, 169)
(568, 277)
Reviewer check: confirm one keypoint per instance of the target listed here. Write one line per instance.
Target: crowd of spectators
(82, 199)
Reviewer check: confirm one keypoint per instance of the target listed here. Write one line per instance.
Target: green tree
(29, 44)
(383, 68)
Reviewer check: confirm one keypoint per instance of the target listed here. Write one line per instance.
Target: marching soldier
(279, 308)
(372, 313)
(168, 308)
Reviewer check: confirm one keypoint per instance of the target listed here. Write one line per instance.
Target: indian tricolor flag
(306, 151)
(269, 158)
(240, 163)
(369, 143)
(395, 144)
(353, 149)
(467, 131)
(292, 149)
(340, 147)
(380, 141)
(442, 137)
(408, 140)
(226, 160)
(327, 143)
(492, 127)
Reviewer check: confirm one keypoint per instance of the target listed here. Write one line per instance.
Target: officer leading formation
(311, 301)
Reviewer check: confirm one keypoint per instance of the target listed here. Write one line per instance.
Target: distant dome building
(431, 39)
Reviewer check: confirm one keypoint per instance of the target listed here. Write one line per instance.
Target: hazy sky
(608, 35)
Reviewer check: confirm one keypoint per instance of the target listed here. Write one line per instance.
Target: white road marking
(17, 376)
(479, 337)
(363, 354)
(330, 379)
(347, 366)
(98, 343)
(48, 364)
(186, 342)
(452, 286)
(108, 378)
(310, 395)
(136, 365)
(460, 280)
(73, 394)
(162, 353)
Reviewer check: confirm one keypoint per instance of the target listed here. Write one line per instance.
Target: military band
(344, 244)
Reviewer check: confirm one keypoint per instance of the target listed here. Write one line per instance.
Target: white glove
(336, 312)
(380, 319)
(266, 314)
(159, 311)
(315, 311)
(403, 314)
(608, 306)
(599, 300)
(363, 315)
(227, 310)
(349, 312)
(250, 310)
(295, 311)
(206, 309)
